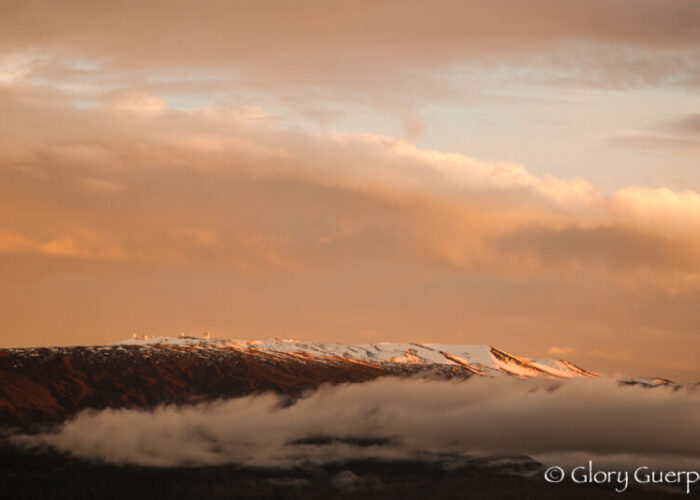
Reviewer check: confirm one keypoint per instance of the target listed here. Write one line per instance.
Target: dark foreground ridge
(44, 386)
(30, 475)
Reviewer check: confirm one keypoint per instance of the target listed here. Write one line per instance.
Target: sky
(521, 174)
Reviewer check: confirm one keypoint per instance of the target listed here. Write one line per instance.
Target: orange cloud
(560, 351)
(235, 45)
(141, 104)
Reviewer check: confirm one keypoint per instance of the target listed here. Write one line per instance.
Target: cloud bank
(399, 419)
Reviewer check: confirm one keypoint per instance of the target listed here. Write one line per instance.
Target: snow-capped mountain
(478, 359)
(46, 384)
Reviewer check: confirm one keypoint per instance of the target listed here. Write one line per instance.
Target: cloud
(79, 245)
(617, 247)
(680, 134)
(101, 186)
(478, 213)
(689, 124)
(14, 67)
(277, 50)
(653, 141)
(415, 419)
(660, 208)
(560, 351)
(142, 104)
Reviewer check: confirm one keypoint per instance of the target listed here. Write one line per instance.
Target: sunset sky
(522, 174)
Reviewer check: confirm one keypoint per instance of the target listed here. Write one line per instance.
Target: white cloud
(419, 418)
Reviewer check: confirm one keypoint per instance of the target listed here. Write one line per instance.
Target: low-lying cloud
(395, 419)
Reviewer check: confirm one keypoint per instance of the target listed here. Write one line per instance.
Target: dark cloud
(655, 142)
(616, 247)
(669, 136)
(689, 124)
(231, 28)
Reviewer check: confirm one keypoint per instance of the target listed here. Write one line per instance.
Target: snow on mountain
(478, 359)
(651, 382)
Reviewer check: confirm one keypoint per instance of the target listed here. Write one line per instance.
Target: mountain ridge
(49, 384)
(481, 359)
(41, 385)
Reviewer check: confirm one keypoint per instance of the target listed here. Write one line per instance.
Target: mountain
(41, 385)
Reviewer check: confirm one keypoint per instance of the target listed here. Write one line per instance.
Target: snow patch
(479, 358)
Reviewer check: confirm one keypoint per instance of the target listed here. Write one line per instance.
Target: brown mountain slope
(50, 384)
